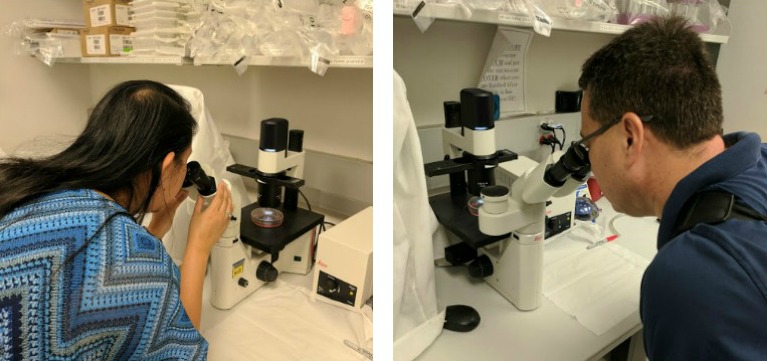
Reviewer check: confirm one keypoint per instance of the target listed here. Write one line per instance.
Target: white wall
(449, 56)
(35, 100)
(335, 111)
(742, 69)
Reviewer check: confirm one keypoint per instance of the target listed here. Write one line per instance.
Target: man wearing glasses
(651, 122)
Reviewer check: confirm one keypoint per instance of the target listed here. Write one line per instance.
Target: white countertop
(544, 334)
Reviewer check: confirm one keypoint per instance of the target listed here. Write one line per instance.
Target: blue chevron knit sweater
(114, 298)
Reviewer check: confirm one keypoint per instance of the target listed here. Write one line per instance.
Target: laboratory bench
(259, 327)
(212, 316)
(547, 333)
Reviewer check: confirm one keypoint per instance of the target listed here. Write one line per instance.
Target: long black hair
(129, 133)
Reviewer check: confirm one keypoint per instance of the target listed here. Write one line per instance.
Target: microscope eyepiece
(196, 176)
(575, 162)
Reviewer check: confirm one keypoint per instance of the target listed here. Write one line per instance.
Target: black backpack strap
(713, 207)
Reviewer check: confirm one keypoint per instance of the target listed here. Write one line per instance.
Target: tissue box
(106, 41)
(106, 13)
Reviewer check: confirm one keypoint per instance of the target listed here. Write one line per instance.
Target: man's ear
(633, 136)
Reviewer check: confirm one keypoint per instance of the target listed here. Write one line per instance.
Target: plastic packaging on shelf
(535, 9)
(631, 12)
(703, 15)
(587, 10)
(488, 4)
(46, 39)
(314, 31)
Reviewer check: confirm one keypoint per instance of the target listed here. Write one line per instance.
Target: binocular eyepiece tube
(205, 184)
(575, 162)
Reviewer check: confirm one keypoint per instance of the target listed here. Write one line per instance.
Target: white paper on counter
(599, 287)
(280, 321)
(504, 71)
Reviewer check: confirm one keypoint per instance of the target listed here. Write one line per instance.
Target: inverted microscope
(273, 234)
(502, 241)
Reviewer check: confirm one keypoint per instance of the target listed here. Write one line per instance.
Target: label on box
(96, 44)
(100, 15)
(612, 28)
(121, 15)
(349, 60)
(66, 31)
(120, 44)
(514, 18)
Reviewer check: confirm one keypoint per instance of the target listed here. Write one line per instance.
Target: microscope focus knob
(494, 199)
(481, 267)
(266, 272)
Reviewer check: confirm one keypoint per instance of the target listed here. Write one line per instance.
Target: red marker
(603, 241)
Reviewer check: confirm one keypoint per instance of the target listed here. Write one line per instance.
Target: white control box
(344, 268)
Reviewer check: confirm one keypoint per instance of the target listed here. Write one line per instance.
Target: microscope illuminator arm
(275, 162)
(477, 142)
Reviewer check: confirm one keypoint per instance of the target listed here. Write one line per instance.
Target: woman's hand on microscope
(207, 226)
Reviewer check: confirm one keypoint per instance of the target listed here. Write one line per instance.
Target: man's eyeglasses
(585, 140)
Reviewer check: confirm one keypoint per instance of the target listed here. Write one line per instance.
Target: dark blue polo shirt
(704, 295)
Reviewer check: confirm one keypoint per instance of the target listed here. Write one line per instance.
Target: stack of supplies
(163, 27)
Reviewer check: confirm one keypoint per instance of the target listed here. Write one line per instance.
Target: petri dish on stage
(266, 217)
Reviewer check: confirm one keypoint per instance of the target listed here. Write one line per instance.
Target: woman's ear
(167, 163)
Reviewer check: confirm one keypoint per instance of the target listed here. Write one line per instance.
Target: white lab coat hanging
(418, 319)
(211, 150)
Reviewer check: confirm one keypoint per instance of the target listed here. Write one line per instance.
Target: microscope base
(518, 269)
(233, 268)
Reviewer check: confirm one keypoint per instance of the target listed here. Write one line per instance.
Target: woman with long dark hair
(80, 278)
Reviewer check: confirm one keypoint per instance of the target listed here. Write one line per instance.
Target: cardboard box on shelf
(106, 13)
(106, 41)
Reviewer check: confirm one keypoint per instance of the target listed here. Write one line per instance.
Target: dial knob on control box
(330, 285)
(266, 272)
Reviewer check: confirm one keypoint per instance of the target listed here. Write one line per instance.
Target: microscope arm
(476, 142)
(275, 162)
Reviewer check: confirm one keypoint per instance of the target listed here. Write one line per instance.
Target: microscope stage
(295, 223)
(452, 213)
